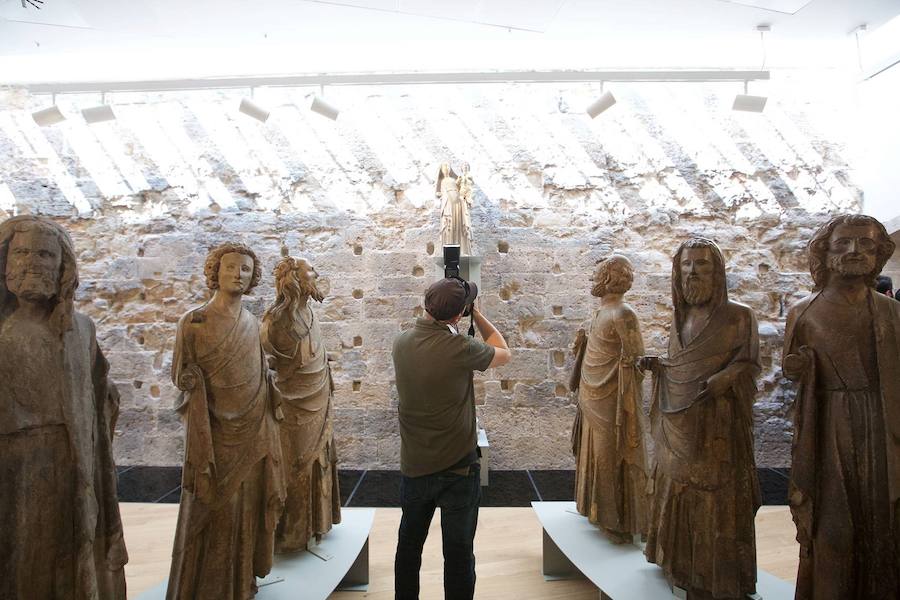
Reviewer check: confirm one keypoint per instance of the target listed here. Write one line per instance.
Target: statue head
(444, 171)
(295, 282)
(37, 264)
(613, 275)
(698, 276)
(849, 246)
(233, 268)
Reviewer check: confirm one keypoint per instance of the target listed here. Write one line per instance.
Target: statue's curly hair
(818, 247)
(64, 303)
(214, 258)
(614, 275)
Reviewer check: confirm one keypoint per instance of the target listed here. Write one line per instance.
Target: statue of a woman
(455, 193)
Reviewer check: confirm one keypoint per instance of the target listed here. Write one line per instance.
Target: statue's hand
(188, 380)
(648, 363)
(580, 340)
(795, 365)
(715, 386)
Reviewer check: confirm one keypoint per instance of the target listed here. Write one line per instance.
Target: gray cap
(446, 298)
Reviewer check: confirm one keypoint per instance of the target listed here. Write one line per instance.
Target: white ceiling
(98, 38)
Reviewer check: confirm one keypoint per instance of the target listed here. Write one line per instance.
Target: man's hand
(492, 337)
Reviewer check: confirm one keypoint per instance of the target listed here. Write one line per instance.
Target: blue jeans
(458, 497)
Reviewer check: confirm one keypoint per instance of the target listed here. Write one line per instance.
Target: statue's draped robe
(59, 514)
(303, 379)
(706, 491)
(233, 487)
(610, 473)
(456, 226)
(845, 477)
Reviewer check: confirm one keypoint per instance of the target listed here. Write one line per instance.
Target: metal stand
(357, 578)
(573, 547)
(307, 575)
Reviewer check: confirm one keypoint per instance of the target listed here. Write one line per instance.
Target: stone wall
(146, 195)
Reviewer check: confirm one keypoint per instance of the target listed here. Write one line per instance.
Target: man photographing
(433, 364)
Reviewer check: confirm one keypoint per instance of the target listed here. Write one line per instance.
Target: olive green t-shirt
(433, 367)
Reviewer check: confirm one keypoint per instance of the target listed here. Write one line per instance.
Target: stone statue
(706, 492)
(607, 438)
(232, 485)
(59, 514)
(842, 345)
(292, 339)
(455, 193)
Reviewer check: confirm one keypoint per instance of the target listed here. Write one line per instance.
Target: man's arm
(492, 337)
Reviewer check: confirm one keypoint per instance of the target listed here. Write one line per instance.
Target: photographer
(433, 363)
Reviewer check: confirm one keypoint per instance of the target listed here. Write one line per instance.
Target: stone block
(525, 365)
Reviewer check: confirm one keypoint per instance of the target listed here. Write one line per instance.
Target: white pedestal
(575, 548)
(305, 576)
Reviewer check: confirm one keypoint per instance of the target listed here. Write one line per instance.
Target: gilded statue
(455, 192)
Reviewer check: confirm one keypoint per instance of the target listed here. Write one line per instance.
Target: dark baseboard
(380, 488)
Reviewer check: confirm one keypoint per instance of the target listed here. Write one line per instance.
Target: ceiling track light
(100, 113)
(746, 102)
(601, 104)
(252, 109)
(49, 116)
(319, 105)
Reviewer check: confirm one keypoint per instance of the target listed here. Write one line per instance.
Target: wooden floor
(507, 550)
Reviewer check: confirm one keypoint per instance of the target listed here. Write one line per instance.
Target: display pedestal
(485, 449)
(575, 548)
(305, 576)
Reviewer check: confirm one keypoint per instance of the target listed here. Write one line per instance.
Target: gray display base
(575, 548)
(305, 576)
(485, 455)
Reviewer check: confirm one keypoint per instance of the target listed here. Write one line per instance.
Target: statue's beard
(33, 286)
(310, 289)
(697, 291)
(849, 265)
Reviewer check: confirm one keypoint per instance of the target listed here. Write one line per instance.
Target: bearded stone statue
(59, 514)
(842, 346)
(232, 484)
(293, 341)
(706, 493)
(607, 439)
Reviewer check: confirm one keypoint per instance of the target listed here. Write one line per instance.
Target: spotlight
(252, 109)
(98, 114)
(48, 116)
(748, 103)
(323, 108)
(601, 104)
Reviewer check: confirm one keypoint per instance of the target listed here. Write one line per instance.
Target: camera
(451, 270)
(451, 261)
